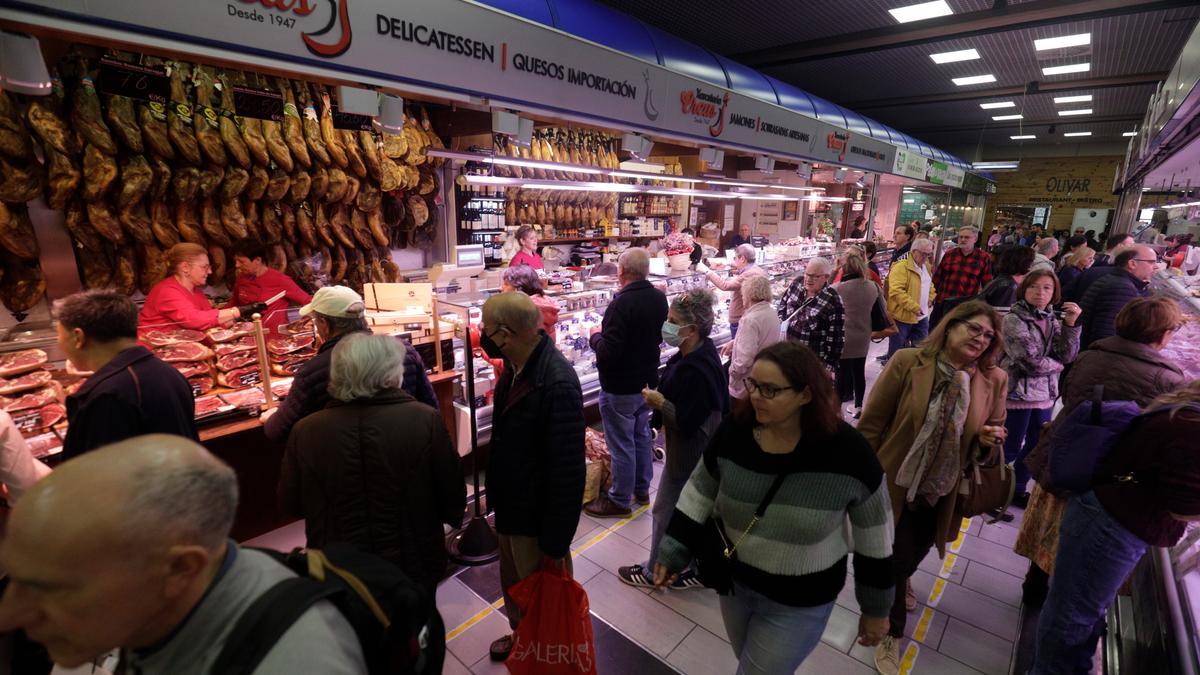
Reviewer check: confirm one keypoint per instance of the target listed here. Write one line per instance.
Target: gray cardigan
(858, 296)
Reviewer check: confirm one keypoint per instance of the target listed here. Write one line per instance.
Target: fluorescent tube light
(998, 104)
(1002, 118)
(1063, 70)
(1085, 98)
(1060, 42)
(1080, 111)
(953, 57)
(1127, 134)
(1025, 137)
(974, 79)
(1079, 133)
(925, 10)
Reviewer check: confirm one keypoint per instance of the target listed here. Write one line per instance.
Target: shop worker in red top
(527, 239)
(257, 283)
(178, 302)
(962, 274)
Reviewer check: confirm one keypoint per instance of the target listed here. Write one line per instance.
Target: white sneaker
(887, 656)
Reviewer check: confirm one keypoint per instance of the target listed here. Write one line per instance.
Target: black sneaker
(501, 648)
(636, 575)
(687, 581)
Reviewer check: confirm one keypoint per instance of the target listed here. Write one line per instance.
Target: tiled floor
(966, 621)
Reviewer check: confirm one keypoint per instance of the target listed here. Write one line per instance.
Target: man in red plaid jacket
(963, 273)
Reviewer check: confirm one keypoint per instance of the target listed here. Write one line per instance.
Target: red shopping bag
(555, 634)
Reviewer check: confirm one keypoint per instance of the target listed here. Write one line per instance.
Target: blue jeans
(732, 330)
(767, 637)
(910, 335)
(1095, 555)
(626, 420)
(1024, 429)
(680, 462)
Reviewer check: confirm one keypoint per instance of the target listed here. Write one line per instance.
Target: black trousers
(852, 380)
(914, 537)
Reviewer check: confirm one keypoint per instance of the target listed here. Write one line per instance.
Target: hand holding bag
(555, 634)
(714, 561)
(987, 485)
(882, 324)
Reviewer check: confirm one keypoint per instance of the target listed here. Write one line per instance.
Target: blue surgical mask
(670, 334)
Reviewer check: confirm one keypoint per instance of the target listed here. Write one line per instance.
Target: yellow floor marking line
(495, 606)
(966, 525)
(948, 566)
(923, 625)
(909, 660)
(958, 542)
(935, 595)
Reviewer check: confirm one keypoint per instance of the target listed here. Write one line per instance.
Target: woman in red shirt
(258, 283)
(177, 301)
(527, 239)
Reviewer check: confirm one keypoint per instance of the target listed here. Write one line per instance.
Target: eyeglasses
(975, 330)
(1148, 260)
(815, 276)
(767, 391)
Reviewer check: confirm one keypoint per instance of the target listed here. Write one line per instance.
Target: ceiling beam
(1025, 124)
(1000, 18)
(1000, 92)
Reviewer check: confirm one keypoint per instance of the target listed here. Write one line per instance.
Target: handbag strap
(758, 513)
(1097, 404)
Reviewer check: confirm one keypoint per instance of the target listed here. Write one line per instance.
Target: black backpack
(397, 623)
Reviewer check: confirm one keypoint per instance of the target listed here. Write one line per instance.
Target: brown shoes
(603, 507)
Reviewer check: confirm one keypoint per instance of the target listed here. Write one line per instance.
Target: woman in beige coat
(934, 411)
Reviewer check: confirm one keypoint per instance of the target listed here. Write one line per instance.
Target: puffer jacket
(1036, 348)
(379, 474)
(1129, 371)
(904, 291)
(1104, 300)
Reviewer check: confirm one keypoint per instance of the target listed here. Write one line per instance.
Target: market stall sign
(469, 48)
(910, 164)
(258, 103)
(941, 173)
(133, 80)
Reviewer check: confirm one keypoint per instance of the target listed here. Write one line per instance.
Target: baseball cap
(336, 301)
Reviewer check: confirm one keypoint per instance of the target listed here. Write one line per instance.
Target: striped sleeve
(686, 529)
(874, 532)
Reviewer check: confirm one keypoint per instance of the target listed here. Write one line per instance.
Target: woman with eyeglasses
(691, 399)
(936, 410)
(1037, 347)
(1129, 366)
(178, 301)
(822, 488)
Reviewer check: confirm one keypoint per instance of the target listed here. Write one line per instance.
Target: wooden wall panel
(1064, 183)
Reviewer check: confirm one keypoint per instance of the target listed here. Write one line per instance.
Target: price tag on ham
(33, 421)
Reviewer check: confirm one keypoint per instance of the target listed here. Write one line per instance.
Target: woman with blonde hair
(179, 302)
(1074, 263)
(1146, 491)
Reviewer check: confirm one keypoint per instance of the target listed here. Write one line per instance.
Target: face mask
(489, 345)
(670, 334)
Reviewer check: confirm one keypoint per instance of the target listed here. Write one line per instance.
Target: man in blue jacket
(535, 474)
(627, 359)
(1129, 277)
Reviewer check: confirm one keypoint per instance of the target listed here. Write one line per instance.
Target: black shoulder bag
(714, 562)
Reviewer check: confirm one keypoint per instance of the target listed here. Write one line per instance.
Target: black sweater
(627, 347)
(535, 474)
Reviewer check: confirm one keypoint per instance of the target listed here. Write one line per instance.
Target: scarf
(933, 465)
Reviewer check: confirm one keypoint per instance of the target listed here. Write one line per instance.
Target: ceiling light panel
(1068, 113)
(1127, 134)
(1061, 42)
(974, 79)
(920, 12)
(1026, 137)
(1085, 98)
(1004, 118)
(1066, 70)
(1078, 133)
(954, 57)
(997, 104)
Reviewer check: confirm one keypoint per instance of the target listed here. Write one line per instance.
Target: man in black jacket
(535, 475)
(1117, 244)
(1127, 279)
(337, 311)
(131, 392)
(627, 360)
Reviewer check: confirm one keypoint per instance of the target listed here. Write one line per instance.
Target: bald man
(627, 359)
(1128, 279)
(127, 547)
(535, 475)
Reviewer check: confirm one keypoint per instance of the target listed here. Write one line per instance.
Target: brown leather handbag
(987, 485)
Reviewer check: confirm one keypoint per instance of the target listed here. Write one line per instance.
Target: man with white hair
(128, 547)
(1045, 249)
(964, 271)
(910, 295)
(814, 314)
(375, 450)
(627, 359)
(536, 470)
(744, 268)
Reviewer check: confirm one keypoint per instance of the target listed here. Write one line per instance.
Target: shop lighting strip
(555, 166)
(772, 186)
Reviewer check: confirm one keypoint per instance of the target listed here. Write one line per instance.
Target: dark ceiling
(854, 53)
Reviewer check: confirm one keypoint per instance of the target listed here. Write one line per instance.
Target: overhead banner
(941, 173)
(472, 49)
(910, 164)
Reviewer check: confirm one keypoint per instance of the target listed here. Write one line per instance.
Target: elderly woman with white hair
(375, 468)
(814, 314)
(760, 329)
(910, 295)
(744, 269)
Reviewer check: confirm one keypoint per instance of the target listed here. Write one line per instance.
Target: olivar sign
(1066, 190)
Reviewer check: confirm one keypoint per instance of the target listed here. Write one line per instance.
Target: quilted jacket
(1036, 347)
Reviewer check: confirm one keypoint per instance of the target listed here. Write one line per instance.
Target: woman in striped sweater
(790, 564)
